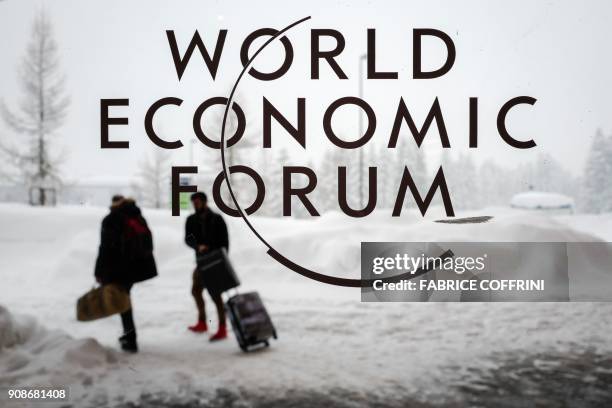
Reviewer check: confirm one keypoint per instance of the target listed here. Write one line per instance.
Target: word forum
(297, 129)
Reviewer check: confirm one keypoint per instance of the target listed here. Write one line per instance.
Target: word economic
(297, 130)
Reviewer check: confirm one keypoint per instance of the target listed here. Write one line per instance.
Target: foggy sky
(555, 51)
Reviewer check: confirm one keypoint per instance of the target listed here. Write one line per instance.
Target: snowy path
(332, 348)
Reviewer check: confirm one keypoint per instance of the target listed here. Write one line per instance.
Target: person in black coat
(205, 231)
(125, 256)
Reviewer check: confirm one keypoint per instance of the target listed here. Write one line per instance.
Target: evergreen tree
(451, 172)
(551, 176)
(351, 160)
(265, 168)
(385, 174)
(411, 156)
(607, 187)
(597, 178)
(327, 187)
(274, 188)
(466, 186)
(494, 186)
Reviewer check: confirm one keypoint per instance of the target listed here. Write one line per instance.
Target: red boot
(220, 334)
(200, 327)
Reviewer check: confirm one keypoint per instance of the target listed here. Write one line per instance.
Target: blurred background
(59, 58)
(63, 57)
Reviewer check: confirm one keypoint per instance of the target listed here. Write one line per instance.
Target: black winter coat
(113, 265)
(206, 228)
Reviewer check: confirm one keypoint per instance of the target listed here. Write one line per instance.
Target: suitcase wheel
(266, 343)
(274, 334)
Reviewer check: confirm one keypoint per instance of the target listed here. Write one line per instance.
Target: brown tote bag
(103, 301)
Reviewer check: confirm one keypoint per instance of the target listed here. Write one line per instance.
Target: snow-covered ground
(332, 348)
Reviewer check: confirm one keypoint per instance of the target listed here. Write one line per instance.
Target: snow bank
(9, 333)
(331, 243)
(599, 225)
(35, 356)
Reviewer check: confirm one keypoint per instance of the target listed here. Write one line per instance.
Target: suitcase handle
(235, 293)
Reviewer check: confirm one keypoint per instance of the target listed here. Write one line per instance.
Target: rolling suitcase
(250, 320)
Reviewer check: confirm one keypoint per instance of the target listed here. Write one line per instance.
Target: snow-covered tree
(152, 186)
(387, 176)
(466, 187)
(548, 174)
(597, 176)
(34, 160)
(411, 156)
(496, 185)
(264, 169)
(327, 186)
(274, 188)
(352, 160)
(234, 155)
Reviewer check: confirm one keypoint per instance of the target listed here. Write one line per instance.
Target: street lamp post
(362, 59)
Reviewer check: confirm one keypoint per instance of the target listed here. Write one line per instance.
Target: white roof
(541, 200)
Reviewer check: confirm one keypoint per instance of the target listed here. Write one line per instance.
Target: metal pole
(362, 59)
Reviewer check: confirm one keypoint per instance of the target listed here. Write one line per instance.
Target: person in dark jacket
(205, 230)
(125, 256)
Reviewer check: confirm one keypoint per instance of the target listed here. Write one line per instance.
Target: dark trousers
(127, 317)
(197, 292)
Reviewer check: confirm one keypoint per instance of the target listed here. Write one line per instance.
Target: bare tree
(152, 186)
(39, 115)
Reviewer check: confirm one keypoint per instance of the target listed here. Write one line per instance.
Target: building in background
(95, 191)
(552, 203)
